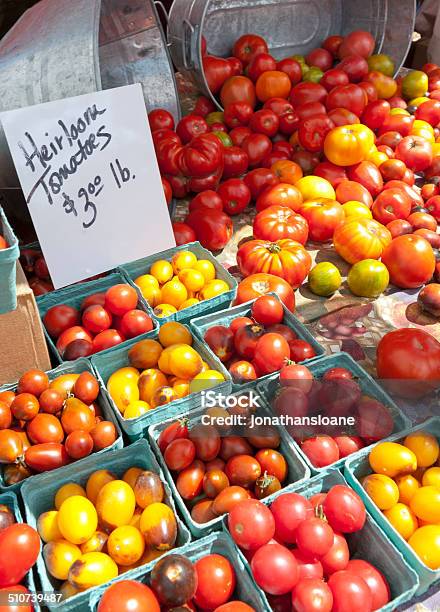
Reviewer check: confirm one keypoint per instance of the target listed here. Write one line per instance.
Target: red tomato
(220, 340)
(342, 116)
(167, 189)
(259, 180)
(216, 70)
(410, 261)
(260, 62)
(257, 147)
(19, 548)
(45, 428)
(289, 511)
(355, 66)
(393, 170)
(235, 195)
(251, 524)
(332, 44)
(337, 373)
(160, 119)
(238, 89)
(96, 319)
(206, 199)
(119, 299)
(350, 592)
(272, 462)
(179, 454)
(390, 139)
(321, 58)
(235, 606)
(267, 310)
(334, 78)
(246, 339)
(300, 350)
(189, 482)
(265, 122)
(416, 199)
(323, 217)
(314, 538)
(296, 376)
(310, 109)
(236, 66)
(107, 339)
(183, 233)
(238, 114)
(432, 237)
(307, 92)
(203, 106)
(175, 431)
(402, 124)
(375, 113)
(128, 596)
(321, 450)
(416, 152)
(216, 581)
(358, 42)
(282, 194)
(409, 354)
(279, 106)
(235, 162)
(337, 557)
(238, 135)
(46, 457)
(292, 68)
(275, 569)
(312, 595)
(348, 445)
(390, 205)
(376, 581)
(70, 335)
(344, 509)
(429, 111)
(308, 568)
(79, 444)
(332, 173)
(259, 284)
(60, 318)
(247, 46)
(312, 132)
(104, 434)
(277, 222)
(433, 207)
(422, 220)
(191, 126)
(350, 190)
(15, 592)
(306, 160)
(92, 300)
(351, 97)
(367, 174)
(206, 440)
(213, 228)
(289, 123)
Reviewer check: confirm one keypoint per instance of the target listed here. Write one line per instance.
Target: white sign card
(90, 177)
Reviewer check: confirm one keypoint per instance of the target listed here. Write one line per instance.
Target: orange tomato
(238, 89)
(386, 87)
(359, 239)
(273, 84)
(287, 171)
(348, 145)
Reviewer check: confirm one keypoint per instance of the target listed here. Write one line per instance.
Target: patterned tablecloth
(343, 321)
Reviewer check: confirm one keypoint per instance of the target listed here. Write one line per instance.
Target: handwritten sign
(89, 174)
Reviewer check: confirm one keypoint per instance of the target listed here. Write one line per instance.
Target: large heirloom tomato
(410, 261)
(284, 258)
(349, 144)
(410, 355)
(359, 239)
(277, 222)
(323, 217)
(256, 285)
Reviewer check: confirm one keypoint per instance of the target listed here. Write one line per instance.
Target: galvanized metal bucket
(61, 48)
(289, 26)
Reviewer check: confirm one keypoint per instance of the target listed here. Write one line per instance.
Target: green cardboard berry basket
(75, 294)
(38, 496)
(297, 468)
(368, 385)
(10, 500)
(358, 467)
(142, 266)
(72, 367)
(219, 544)
(8, 264)
(200, 326)
(106, 363)
(371, 544)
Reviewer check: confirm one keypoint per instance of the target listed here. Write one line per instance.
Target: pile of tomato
(178, 584)
(299, 555)
(102, 321)
(405, 485)
(159, 372)
(180, 283)
(258, 344)
(214, 467)
(105, 528)
(47, 424)
(19, 548)
(337, 394)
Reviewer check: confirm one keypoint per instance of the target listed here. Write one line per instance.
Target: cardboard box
(22, 342)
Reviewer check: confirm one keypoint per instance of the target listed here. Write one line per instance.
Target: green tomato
(414, 84)
(324, 279)
(302, 62)
(313, 75)
(368, 278)
(224, 138)
(381, 63)
(215, 117)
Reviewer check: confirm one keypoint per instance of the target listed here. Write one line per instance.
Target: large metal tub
(62, 48)
(289, 26)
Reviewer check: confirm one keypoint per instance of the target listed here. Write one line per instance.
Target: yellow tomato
(312, 187)
(399, 111)
(382, 490)
(402, 519)
(431, 477)
(77, 519)
(150, 380)
(426, 504)
(162, 271)
(423, 133)
(185, 362)
(146, 280)
(381, 63)
(392, 459)
(188, 303)
(136, 409)
(47, 526)
(92, 569)
(164, 359)
(213, 289)
(414, 84)
(425, 447)
(96, 481)
(418, 101)
(181, 387)
(173, 332)
(66, 491)
(158, 526)
(131, 475)
(205, 380)
(96, 543)
(126, 545)
(122, 387)
(436, 148)
(136, 520)
(151, 294)
(348, 144)
(174, 293)
(207, 268)
(192, 279)
(324, 279)
(59, 556)
(182, 260)
(145, 354)
(420, 124)
(377, 158)
(356, 209)
(426, 544)
(408, 486)
(115, 504)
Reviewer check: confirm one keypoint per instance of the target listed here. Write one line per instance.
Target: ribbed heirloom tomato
(359, 239)
(284, 258)
(323, 217)
(277, 222)
(348, 145)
